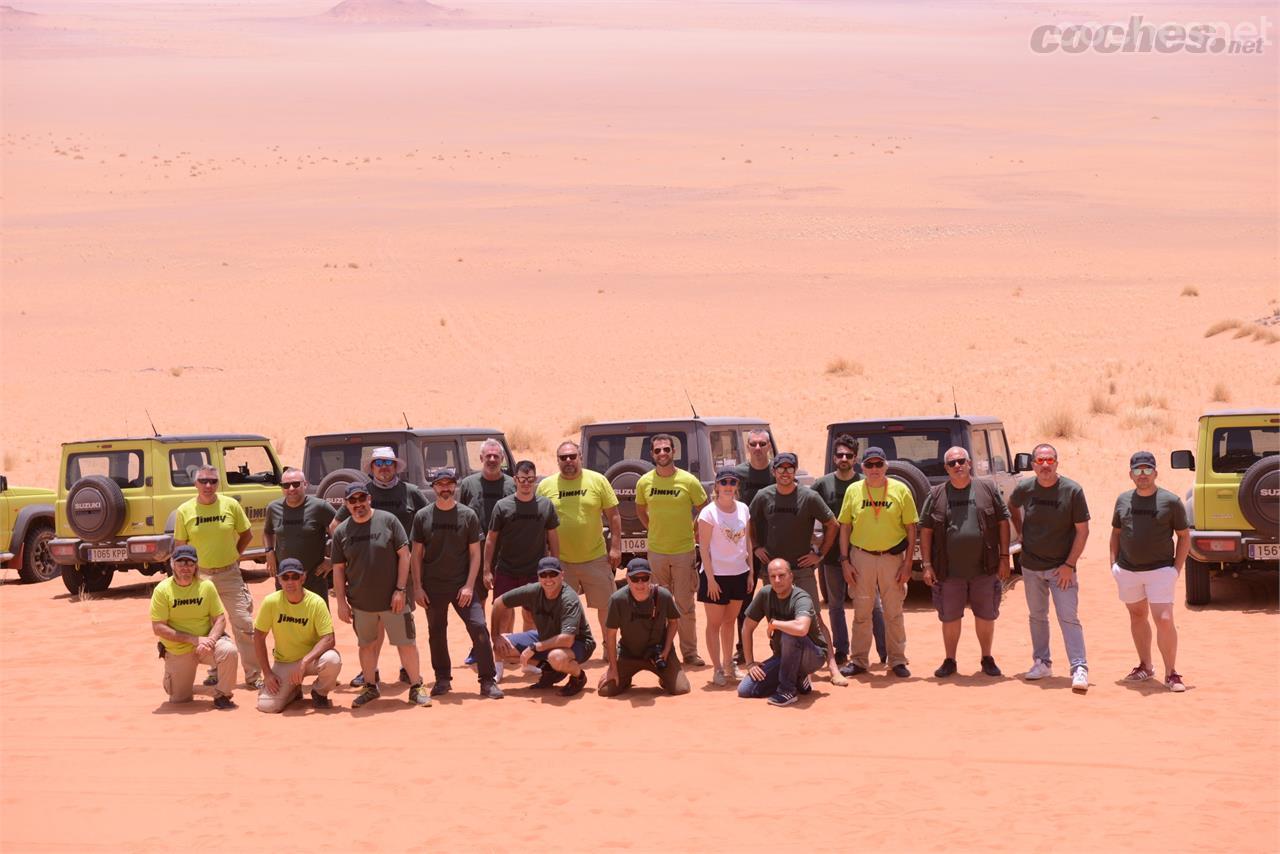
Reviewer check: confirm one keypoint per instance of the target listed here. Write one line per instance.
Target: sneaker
(358, 682)
(417, 696)
(470, 660)
(368, 695)
(718, 678)
(211, 679)
(320, 701)
(442, 686)
(256, 684)
(782, 698)
(989, 666)
(574, 685)
(532, 670)
(1174, 683)
(901, 671)
(735, 674)
(805, 686)
(948, 668)
(1139, 674)
(1039, 670)
(223, 701)
(490, 690)
(404, 676)
(694, 660)
(852, 669)
(1080, 680)
(548, 678)
(499, 668)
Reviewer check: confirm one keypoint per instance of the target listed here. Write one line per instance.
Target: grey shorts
(370, 625)
(982, 593)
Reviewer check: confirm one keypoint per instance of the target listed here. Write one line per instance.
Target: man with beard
(297, 527)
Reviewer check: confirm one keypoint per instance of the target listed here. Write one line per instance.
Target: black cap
(548, 563)
(184, 553)
(1142, 458)
(357, 488)
(728, 471)
(637, 565)
(445, 473)
(290, 564)
(786, 458)
(873, 453)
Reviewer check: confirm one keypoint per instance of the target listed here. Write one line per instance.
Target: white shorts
(1154, 585)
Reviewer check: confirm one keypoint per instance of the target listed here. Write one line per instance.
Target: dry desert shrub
(1150, 421)
(1147, 400)
(576, 427)
(1061, 423)
(842, 367)
(1101, 404)
(1265, 335)
(1220, 327)
(1190, 291)
(176, 370)
(521, 438)
(1220, 393)
(1244, 330)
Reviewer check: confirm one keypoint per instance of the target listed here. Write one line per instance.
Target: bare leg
(712, 633)
(369, 661)
(951, 638)
(1166, 636)
(986, 631)
(409, 661)
(1140, 627)
(563, 661)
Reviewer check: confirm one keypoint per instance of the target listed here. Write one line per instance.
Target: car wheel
(1197, 582)
(1258, 487)
(37, 561)
(95, 507)
(915, 480)
(97, 578)
(333, 486)
(73, 579)
(623, 477)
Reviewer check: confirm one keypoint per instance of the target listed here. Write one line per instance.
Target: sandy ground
(254, 217)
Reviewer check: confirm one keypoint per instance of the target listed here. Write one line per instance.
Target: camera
(656, 659)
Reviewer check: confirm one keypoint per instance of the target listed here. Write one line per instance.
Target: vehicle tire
(1260, 494)
(37, 562)
(95, 508)
(623, 477)
(97, 578)
(72, 578)
(1197, 582)
(333, 486)
(915, 480)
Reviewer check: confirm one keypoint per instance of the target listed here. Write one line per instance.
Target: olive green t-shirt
(446, 537)
(1146, 524)
(1049, 518)
(832, 490)
(522, 528)
(300, 531)
(403, 501)
(562, 615)
(964, 535)
(641, 625)
(766, 605)
(372, 565)
(786, 521)
(482, 495)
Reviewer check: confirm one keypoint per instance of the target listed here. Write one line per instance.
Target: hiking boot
(1174, 683)
(223, 701)
(948, 668)
(574, 685)
(490, 690)
(1039, 670)
(548, 679)
(989, 666)
(901, 671)
(1080, 680)
(442, 687)
(358, 682)
(321, 701)
(783, 698)
(417, 696)
(368, 695)
(404, 676)
(852, 669)
(694, 660)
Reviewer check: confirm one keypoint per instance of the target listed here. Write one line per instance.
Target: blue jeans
(837, 590)
(523, 640)
(1039, 586)
(799, 658)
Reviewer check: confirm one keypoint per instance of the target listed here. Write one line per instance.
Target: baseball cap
(638, 565)
(549, 563)
(1142, 458)
(445, 473)
(786, 458)
(384, 453)
(290, 564)
(873, 453)
(357, 488)
(184, 553)
(726, 471)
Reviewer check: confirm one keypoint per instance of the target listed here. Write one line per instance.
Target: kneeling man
(647, 618)
(299, 621)
(188, 617)
(797, 644)
(560, 640)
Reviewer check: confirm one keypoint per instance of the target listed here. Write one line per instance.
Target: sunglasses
(291, 576)
(787, 467)
(292, 484)
(549, 574)
(728, 481)
(358, 499)
(638, 579)
(662, 450)
(184, 561)
(757, 444)
(873, 464)
(842, 455)
(207, 481)
(384, 463)
(564, 458)
(1044, 461)
(1143, 470)
(951, 464)
(529, 478)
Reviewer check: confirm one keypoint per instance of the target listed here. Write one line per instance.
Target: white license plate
(635, 545)
(108, 555)
(915, 555)
(1264, 551)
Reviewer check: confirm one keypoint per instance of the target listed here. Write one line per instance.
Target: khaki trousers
(877, 572)
(180, 670)
(325, 669)
(678, 574)
(238, 604)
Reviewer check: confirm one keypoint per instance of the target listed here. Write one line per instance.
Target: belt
(872, 551)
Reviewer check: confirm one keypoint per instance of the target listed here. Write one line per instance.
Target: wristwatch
(399, 589)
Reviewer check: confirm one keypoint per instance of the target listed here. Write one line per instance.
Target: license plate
(635, 545)
(1264, 551)
(915, 555)
(108, 555)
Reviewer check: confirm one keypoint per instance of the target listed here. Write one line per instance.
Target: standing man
(303, 631)
(668, 500)
(877, 530)
(446, 565)
(754, 475)
(1146, 565)
(1051, 516)
(647, 619)
(397, 497)
(791, 618)
(784, 514)
(481, 491)
(188, 617)
(521, 533)
(561, 640)
(370, 579)
(964, 540)
(219, 530)
(297, 527)
(585, 503)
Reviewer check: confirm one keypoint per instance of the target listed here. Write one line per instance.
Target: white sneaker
(1039, 670)
(717, 678)
(498, 666)
(532, 670)
(1080, 680)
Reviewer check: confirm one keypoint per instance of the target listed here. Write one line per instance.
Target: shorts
(594, 579)
(504, 583)
(523, 640)
(982, 594)
(370, 624)
(732, 588)
(1154, 585)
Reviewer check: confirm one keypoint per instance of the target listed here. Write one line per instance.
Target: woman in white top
(724, 541)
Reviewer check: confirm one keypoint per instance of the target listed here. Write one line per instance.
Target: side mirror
(1182, 460)
(1021, 462)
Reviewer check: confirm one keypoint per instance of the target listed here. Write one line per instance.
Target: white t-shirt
(728, 538)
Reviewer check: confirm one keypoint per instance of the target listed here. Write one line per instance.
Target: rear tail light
(1217, 545)
(142, 548)
(63, 551)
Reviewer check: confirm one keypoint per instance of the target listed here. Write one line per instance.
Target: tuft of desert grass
(842, 367)
(576, 427)
(1101, 404)
(1060, 423)
(521, 438)
(177, 370)
(1190, 291)
(1147, 400)
(1221, 326)
(1149, 421)
(1244, 330)
(1221, 394)
(1265, 335)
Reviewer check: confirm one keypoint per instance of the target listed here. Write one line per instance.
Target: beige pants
(238, 604)
(180, 670)
(325, 669)
(678, 574)
(877, 572)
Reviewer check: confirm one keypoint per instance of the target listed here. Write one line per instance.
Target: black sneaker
(320, 701)
(404, 676)
(989, 666)
(574, 685)
(852, 669)
(442, 686)
(368, 695)
(783, 698)
(222, 701)
(211, 679)
(901, 671)
(490, 690)
(548, 679)
(358, 682)
(805, 686)
(948, 668)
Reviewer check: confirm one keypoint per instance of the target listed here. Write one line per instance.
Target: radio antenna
(691, 406)
(954, 407)
(407, 425)
(152, 423)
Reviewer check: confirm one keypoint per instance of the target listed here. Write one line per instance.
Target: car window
(999, 450)
(183, 464)
(605, 450)
(725, 450)
(123, 467)
(249, 464)
(924, 449)
(981, 459)
(439, 454)
(473, 455)
(1235, 449)
(326, 459)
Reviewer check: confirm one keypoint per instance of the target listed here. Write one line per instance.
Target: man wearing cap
(877, 530)
(1050, 514)
(639, 634)
(521, 532)
(387, 491)
(216, 525)
(585, 502)
(784, 516)
(668, 500)
(298, 620)
(188, 617)
(481, 491)
(561, 639)
(790, 616)
(754, 474)
(964, 541)
(370, 576)
(297, 526)
(446, 564)
(1145, 562)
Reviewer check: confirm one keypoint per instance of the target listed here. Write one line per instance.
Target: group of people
(540, 548)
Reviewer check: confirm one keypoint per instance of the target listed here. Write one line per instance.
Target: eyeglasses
(873, 464)
(291, 576)
(1144, 471)
(843, 455)
(383, 463)
(1044, 461)
(526, 478)
(638, 579)
(728, 481)
(207, 481)
(358, 499)
(291, 484)
(564, 458)
(757, 444)
(551, 573)
(951, 464)
(784, 468)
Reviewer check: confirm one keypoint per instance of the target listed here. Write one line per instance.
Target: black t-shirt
(751, 481)
(369, 552)
(522, 528)
(786, 521)
(766, 605)
(482, 494)
(446, 537)
(641, 625)
(562, 615)
(300, 532)
(403, 501)
(832, 490)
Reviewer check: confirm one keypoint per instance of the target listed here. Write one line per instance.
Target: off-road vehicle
(332, 460)
(619, 450)
(117, 499)
(26, 527)
(1234, 506)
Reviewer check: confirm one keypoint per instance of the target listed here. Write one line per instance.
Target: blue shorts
(523, 640)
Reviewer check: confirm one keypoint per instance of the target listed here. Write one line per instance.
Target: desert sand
(273, 217)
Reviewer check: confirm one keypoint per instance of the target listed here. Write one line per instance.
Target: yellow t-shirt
(212, 528)
(897, 511)
(191, 609)
(295, 628)
(579, 504)
(670, 502)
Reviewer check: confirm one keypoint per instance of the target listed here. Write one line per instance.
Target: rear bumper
(1227, 546)
(67, 551)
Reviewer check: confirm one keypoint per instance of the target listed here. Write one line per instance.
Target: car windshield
(329, 458)
(606, 449)
(924, 449)
(1235, 449)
